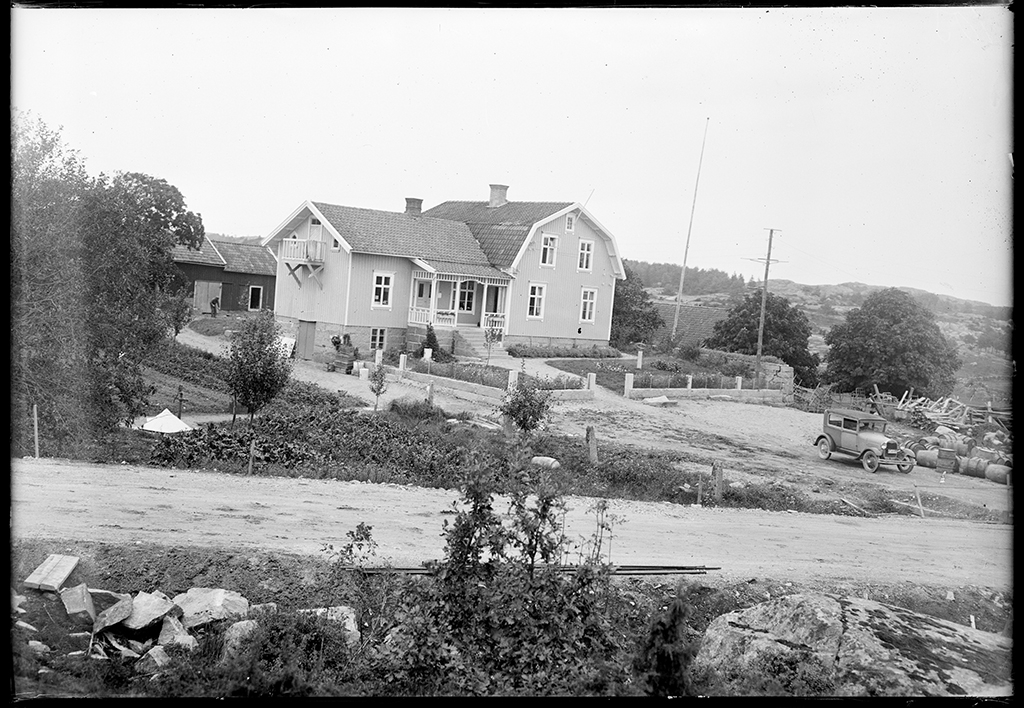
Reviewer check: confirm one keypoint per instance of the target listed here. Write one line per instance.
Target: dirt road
(124, 504)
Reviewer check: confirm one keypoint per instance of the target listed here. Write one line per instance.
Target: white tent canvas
(165, 422)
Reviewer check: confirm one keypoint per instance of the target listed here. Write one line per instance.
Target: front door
(305, 339)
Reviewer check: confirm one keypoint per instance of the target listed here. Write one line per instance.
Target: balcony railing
(303, 250)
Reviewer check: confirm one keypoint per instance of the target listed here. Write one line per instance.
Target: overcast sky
(876, 141)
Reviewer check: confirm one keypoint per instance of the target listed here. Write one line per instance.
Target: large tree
(894, 343)
(634, 317)
(91, 275)
(786, 333)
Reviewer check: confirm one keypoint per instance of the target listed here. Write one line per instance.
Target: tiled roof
(500, 230)
(696, 323)
(244, 258)
(206, 255)
(394, 234)
(467, 269)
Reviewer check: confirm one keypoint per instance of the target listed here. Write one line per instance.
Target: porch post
(412, 296)
(433, 297)
(483, 306)
(507, 307)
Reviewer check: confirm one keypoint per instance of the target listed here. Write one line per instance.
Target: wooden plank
(52, 572)
(847, 501)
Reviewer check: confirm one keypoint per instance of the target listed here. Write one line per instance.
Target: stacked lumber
(947, 411)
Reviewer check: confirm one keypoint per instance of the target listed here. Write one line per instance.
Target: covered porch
(458, 301)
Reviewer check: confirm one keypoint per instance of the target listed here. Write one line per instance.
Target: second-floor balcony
(303, 250)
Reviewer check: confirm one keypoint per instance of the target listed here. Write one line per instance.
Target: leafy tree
(786, 332)
(525, 405)
(893, 342)
(257, 371)
(91, 269)
(634, 317)
(378, 384)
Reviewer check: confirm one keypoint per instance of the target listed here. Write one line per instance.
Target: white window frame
(383, 337)
(592, 301)
(540, 296)
(589, 252)
(423, 290)
(385, 288)
(570, 223)
(251, 288)
(335, 244)
(548, 247)
(456, 301)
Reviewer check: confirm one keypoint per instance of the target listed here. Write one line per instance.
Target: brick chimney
(413, 206)
(498, 197)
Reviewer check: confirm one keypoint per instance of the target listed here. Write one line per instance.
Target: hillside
(981, 332)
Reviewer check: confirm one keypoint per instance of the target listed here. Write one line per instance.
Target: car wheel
(905, 463)
(824, 449)
(870, 461)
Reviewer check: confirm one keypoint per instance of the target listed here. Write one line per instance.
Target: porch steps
(474, 345)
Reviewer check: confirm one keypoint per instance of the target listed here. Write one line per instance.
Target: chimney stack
(498, 197)
(413, 206)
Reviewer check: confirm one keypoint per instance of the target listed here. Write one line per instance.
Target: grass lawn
(216, 326)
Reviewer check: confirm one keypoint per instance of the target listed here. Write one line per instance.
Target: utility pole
(764, 302)
(682, 274)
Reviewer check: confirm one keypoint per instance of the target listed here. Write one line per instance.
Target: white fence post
(640, 359)
(378, 357)
(591, 381)
(513, 379)
(739, 382)
(629, 385)
(427, 354)
(403, 361)
(689, 381)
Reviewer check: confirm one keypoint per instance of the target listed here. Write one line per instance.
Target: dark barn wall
(236, 290)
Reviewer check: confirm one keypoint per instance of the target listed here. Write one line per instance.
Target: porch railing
(305, 250)
(494, 320)
(442, 318)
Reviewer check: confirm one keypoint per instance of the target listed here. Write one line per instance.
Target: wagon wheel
(905, 463)
(824, 449)
(870, 461)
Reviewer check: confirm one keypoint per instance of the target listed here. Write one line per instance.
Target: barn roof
(206, 255)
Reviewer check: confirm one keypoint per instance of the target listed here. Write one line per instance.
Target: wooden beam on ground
(52, 572)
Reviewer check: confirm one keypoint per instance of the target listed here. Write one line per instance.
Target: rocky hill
(981, 332)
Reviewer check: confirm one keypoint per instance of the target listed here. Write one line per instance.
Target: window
(255, 297)
(378, 338)
(587, 302)
(466, 293)
(382, 289)
(835, 420)
(586, 259)
(570, 223)
(849, 424)
(423, 290)
(547, 250)
(535, 305)
(315, 221)
(336, 246)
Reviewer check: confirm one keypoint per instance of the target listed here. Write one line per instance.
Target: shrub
(525, 405)
(521, 351)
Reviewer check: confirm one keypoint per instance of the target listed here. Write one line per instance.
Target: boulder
(340, 613)
(201, 606)
(117, 612)
(78, 603)
(154, 660)
(149, 608)
(172, 631)
(234, 638)
(811, 644)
